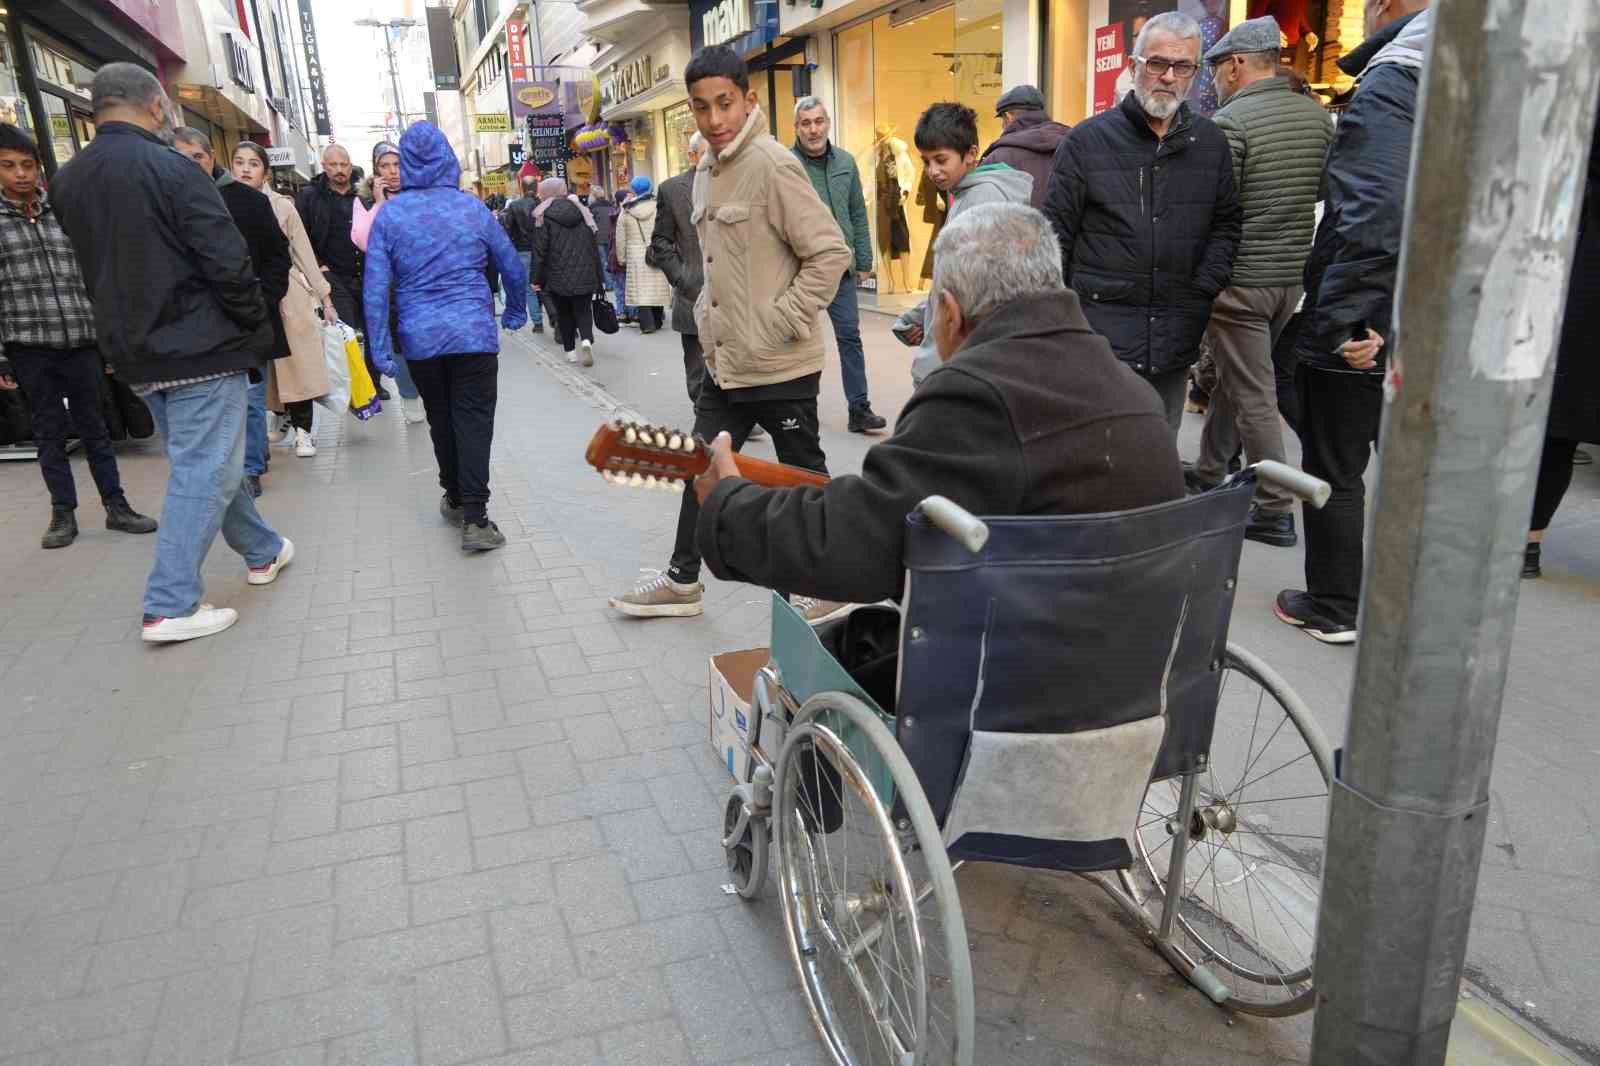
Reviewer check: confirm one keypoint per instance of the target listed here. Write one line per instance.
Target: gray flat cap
(1255, 35)
(1022, 98)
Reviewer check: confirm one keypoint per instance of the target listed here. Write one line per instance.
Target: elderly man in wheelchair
(1053, 690)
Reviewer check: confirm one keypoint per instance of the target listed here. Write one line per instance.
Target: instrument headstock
(640, 455)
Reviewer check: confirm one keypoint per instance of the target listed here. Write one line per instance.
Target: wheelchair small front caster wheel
(746, 855)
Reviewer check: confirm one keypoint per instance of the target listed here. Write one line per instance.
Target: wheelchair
(1056, 693)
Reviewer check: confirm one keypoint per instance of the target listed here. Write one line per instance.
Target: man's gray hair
(123, 85)
(190, 135)
(993, 254)
(806, 103)
(1174, 22)
(697, 141)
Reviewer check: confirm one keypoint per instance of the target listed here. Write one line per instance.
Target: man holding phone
(1350, 282)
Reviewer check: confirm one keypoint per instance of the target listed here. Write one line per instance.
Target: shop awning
(211, 102)
(661, 95)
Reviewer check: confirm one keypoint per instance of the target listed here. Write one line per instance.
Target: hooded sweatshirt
(1029, 145)
(991, 183)
(428, 250)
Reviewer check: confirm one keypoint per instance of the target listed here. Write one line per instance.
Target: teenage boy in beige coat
(773, 259)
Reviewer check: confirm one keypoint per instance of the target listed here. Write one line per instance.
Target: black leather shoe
(124, 519)
(863, 420)
(63, 528)
(1274, 529)
(1530, 560)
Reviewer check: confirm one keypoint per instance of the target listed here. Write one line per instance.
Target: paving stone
(406, 951)
(198, 1023)
(307, 810)
(58, 897)
(436, 847)
(549, 769)
(459, 1012)
(333, 848)
(46, 1025)
(337, 743)
(592, 894)
(474, 711)
(411, 706)
(651, 1044)
(365, 774)
(150, 850)
(427, 740)
(210, 905)
(510, 738)
(643, 846)
(372, 896)
(497, 805)
(294, 953)
(562, 841)
(531, 949)
(459, 771)
(147, 900)
(582, 1051)
(583, 1007)
(290, 1022)
(401, 807)
(593, 736)
(649, 945)
(487, 890)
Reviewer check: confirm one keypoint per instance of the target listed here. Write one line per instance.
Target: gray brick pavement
(424, 809)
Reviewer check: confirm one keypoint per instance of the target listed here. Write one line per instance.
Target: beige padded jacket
(774, 258)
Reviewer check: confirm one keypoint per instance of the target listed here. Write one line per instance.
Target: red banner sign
(517, 50)
(1109, 58)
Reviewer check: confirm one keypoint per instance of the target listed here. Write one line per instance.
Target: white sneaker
(205, 621)
(412, 409)
(305, 446)
(587, 351)
(277, 428)
(572, 357)
(817, 611)
(266, 575)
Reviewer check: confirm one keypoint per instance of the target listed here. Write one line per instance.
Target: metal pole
(1506, 110)
(394, 81)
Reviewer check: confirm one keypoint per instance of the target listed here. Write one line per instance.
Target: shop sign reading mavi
(743, 25)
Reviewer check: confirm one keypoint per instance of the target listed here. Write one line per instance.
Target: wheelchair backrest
(1065, 623)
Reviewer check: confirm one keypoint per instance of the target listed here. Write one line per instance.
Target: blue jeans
(535, 307)
(255, 429)
(619, 289)
(402, 381)
(845, 313)
(202, 429)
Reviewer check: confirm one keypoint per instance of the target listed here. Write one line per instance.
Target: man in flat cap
(1279, 139)
(1029, 139)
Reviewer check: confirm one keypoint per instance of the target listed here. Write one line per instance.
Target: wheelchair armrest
(955, 520)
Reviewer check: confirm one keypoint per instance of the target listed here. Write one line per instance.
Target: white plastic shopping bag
(334, 336)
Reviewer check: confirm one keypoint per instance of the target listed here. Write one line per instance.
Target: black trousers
(796, 436)
(574, 318)
(48, 376)
(299, 413)
(459, 392)
(347, 300)
(650, 318)
(694, 365)
(1339, 418)
(1555, 476)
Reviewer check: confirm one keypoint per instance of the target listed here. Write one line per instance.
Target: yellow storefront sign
(536, 96)
(495, 181)
(497, 122)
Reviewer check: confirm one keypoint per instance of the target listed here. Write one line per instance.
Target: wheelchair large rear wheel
(869, 900)
(1253, 873)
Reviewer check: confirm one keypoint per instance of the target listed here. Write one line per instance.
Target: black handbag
(605, 315)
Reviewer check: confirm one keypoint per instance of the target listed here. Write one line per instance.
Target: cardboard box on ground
(735, 726)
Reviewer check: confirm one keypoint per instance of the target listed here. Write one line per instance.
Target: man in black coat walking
(1142, 198)
(327, 207)
(179, 314)
(675, 251)
(269, 254)
(1350, 282)
(517, 220)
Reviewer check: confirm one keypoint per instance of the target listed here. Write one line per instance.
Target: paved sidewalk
(420, 808)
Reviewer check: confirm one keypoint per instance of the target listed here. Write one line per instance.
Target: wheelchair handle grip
(1311, 489)
(955, 520)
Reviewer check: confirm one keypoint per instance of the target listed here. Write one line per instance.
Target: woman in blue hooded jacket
(430, 250)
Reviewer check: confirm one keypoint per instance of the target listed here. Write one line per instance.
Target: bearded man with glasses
(1142, 198)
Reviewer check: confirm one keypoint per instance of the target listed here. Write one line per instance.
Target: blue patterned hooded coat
(429, 249)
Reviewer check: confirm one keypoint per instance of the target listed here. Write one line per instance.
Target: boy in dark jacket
(47, 344)
(180, 316)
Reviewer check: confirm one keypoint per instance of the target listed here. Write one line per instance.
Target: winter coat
(774, 257)
(1148, 227)
(1029, 144)
(838, 184)
(315, 203)
(269, 248)
(992, 183)
(303, 375)
(174, 292)
(675, 248)
(647, 286)
(1032, 416)
(1279, 139)
(1575, 401)
(42, 300)
(1355, 262)
(566, 259)
(430, 246)
(517, 219)
(603, 210)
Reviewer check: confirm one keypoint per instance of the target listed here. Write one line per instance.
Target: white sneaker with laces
(305, 445)
(572, 357)
(587, 349)
(413, 410)
(205, 621)
(266, 575)
(817, 611)
(661, 597)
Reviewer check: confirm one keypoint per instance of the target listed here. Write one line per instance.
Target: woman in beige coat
(303, 376)
(648, 288)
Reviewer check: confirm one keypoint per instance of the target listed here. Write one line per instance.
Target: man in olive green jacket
(834, 175)
(773, 259)
(1279, 139)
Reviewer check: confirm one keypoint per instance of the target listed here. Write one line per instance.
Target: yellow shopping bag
(363, 392)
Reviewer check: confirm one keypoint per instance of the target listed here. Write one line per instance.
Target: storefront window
(888, 74)
(53, 65)
(13, 105)
(60, 123)
(775, 90)
(677, 124)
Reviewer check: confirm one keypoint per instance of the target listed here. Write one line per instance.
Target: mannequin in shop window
(895, 176)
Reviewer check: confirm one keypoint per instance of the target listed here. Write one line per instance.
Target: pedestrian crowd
(1079, 277)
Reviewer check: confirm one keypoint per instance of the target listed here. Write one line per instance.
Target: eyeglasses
(1181, 68)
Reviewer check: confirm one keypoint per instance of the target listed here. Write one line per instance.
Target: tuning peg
(674, 443)
(608, 475)
(631, 435)
(635, 481)
(661, 439)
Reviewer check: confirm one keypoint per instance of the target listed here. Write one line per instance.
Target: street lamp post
(388, 46)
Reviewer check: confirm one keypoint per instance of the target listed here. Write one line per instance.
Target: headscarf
(553, 189)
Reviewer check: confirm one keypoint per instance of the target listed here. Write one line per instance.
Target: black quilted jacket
(1148, 229)
(566, 257)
